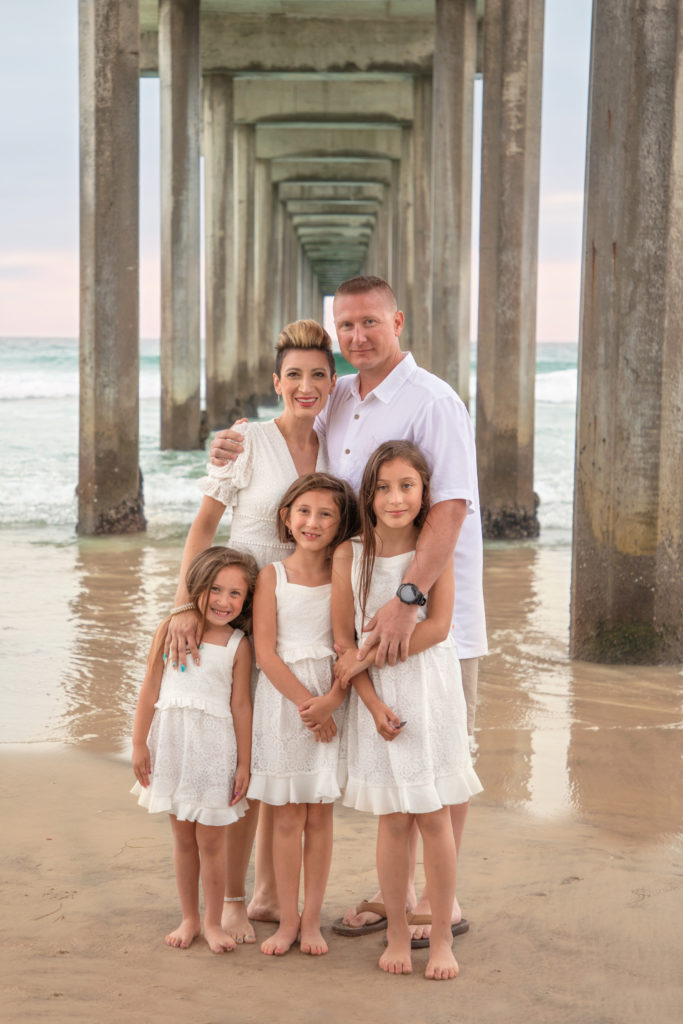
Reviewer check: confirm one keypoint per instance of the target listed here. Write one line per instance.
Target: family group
(329, 653)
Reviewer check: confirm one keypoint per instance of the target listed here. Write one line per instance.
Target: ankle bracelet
(233, 899)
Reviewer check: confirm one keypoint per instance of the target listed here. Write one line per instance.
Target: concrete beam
(325, 170)
(506, 362)
(253, 43)
(351, 192)
(627, 578)
(327, 139)
(332, 98)
(180, 118)
(109, 481)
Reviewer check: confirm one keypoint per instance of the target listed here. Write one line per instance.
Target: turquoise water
(39, 441)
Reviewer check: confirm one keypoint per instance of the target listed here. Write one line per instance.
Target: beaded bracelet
(183, 608)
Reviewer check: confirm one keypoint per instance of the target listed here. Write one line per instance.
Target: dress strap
(233, 644)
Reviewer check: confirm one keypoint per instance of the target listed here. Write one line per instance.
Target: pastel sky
(39, 173)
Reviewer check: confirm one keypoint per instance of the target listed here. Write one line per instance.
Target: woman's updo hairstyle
(304, 334)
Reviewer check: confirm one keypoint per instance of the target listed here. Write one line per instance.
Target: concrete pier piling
(627, 581)
(508, 248)
(110, 484)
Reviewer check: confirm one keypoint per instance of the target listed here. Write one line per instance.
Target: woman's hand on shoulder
(227, 444)
(182, 638)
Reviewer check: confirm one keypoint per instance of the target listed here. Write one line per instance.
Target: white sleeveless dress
(287, 765)
(428, 766)
(192, 741)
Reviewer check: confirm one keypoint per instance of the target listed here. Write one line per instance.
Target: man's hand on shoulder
(390, 629)
(226, 445)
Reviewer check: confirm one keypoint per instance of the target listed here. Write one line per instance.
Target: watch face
(409, 594)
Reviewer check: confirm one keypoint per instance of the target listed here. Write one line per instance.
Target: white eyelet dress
(428, 766)
(192, 741)
(287, 765)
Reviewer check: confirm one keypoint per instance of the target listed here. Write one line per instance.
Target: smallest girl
(406, 743)
(294, 763)
(192, 739)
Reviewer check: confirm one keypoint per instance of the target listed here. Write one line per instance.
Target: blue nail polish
(182, 668)
(165, 656)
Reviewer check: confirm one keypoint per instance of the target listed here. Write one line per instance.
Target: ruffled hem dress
(428, 766)
(192, 742)
(287, 765)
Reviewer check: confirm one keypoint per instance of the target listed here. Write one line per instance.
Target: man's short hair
(367, 283)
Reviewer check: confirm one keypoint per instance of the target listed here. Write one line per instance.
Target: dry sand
(571, 872)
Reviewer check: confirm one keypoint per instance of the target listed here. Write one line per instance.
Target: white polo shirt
(413, 405)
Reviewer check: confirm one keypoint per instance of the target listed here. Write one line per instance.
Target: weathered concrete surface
(180, 119)
(277, 43)
(627, 581)
(506, 360)
(455, 45)
(219, 187)
(110, 484)
(330, 98)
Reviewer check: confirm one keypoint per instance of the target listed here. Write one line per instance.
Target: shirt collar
(387, 389)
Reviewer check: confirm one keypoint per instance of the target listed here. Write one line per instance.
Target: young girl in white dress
(295, 746)
(192, 739)
(406, 751)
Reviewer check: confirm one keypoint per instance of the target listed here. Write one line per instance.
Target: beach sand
(571, 871)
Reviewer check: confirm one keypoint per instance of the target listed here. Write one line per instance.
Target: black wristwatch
(409, 594)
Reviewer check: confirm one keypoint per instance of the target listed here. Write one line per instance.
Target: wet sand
(571, 872)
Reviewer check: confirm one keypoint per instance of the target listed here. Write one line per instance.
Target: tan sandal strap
(366, 907)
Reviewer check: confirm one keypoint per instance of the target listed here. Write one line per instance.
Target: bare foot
(282, 941)
(219, 941)
(442, 965)
(423, 908)
(185, 934)
(312, 940)
(396, 957)
(264, 910)
(235, 922)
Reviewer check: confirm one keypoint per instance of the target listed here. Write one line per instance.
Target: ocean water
(39, 442)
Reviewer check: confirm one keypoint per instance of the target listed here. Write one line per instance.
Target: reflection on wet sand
(599, 744)
(124, 590)
(603, 743)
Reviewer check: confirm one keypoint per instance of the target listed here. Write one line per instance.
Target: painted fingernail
(182, 668)
(196, 661)
(165, 657)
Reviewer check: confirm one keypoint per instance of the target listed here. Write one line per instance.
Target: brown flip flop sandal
(365, 907)
(456, 929)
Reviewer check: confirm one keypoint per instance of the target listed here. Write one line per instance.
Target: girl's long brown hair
(199, 579)
(386, 452)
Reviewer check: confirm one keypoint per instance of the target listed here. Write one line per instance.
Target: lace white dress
(253, 485)
(287, 765)
(429, 765)
(192, 742)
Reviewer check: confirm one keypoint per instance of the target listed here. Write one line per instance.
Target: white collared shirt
(414, 405)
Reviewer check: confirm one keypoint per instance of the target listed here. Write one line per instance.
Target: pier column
(110, 485)
(455, 54)
(506, 361)
(421, 312)
(627, 578)
(263, 284)
(180, 112)
(219, 186)
(244, 267)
